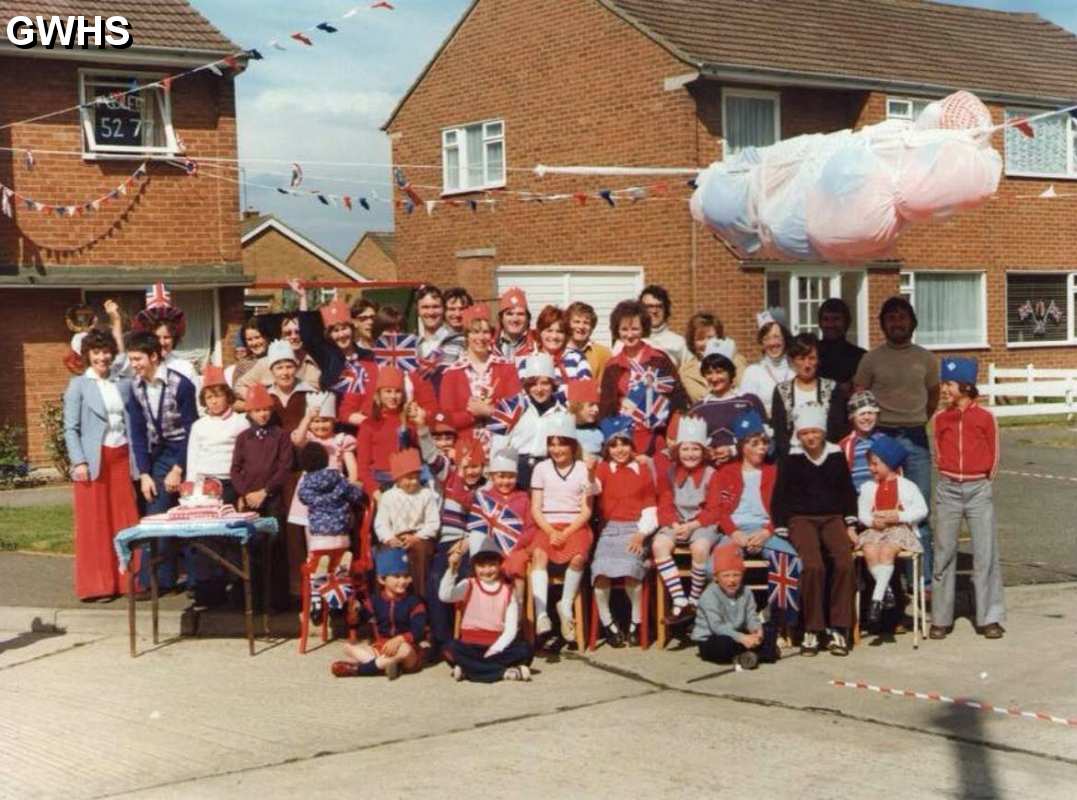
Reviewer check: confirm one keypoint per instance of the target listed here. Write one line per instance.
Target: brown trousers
(810, 535)
(419, 557)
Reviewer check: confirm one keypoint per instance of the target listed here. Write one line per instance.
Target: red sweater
(378, 439)
(730, 486)
(625, 492)
(456, 391)
(667, 508)
(421, 391)
(966, 443)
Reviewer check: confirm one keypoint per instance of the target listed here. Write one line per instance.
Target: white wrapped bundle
(782, 227)
(945, 171)
(723, 201)
(851, 214)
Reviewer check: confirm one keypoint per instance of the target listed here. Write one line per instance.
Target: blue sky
(326, 103)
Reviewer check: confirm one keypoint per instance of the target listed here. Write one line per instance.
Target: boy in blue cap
(399, 623)
(889, 507)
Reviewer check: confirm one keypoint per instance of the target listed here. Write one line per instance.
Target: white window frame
(758, 94)
(1071, 151)
(791, 273)
(908, 289)
(909, 102)
(91, 149)
(1071, 307)
(461, 149)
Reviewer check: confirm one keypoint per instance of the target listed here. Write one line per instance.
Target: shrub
(52, 422)
(13, 464)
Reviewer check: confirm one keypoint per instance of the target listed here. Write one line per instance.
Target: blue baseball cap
(391, 561)
(960, 369)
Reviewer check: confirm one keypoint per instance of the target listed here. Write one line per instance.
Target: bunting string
(9, 198)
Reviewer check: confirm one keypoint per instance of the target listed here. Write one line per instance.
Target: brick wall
(370, 261)
(272, 257)
(576, 85)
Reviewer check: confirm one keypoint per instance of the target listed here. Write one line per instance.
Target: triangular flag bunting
(297, 176)
(579, 198)
(660, 188)
(29, 160)
(141, 172)
(277, 45)
(474, 205)
(254, 55)
(166, 83)
(607, 195)
(430, 207)
(5, 201)
(302, 37)
(325, 26)
(347, 202)
(1025, 128)
(214, 69)
(351, 13)
(231, 62)
(382, 4)
(409, 206)
(190, 166)
(323, 200)
(1049, 192)
(364, 203)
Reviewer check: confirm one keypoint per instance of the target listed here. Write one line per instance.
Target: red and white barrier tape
(957, 701)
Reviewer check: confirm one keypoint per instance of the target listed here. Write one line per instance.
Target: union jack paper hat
(159, 309)
(335, 313)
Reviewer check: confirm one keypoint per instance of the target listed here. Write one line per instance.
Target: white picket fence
(1029, 391)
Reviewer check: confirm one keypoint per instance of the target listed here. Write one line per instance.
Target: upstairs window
(907, 108)
(1049, 154)
(750, 119)
(118, 124)
(473, 157)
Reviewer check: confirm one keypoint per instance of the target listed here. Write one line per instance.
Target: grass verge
(39, 529)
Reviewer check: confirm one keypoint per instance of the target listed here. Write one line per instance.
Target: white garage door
(600, 287)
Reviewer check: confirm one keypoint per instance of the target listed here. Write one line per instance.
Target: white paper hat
(325, 403)
(561, 424)
(692, 430)
(538, 365)
(720, 347)
(280, 350)
(810, 416)
(503, 460)
(771, 315)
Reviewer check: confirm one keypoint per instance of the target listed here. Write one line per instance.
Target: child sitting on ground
(629, 514)
(561, 509)
(399, 621)
(687, 514)
(408, 515)
(863, 416)
(487, 650)
(727, 625)
(889, 505)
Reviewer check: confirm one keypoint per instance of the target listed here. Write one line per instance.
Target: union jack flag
(492, 518)
(157, 296)
(506, 414)
(353, 379)
(783, 584)
(650, 377)
(400, 350)
(646, 408)
(333, 590)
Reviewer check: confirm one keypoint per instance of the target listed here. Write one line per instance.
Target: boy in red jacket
(966, 455)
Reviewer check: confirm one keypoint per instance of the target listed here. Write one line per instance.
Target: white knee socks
(602, 600)
(881, 573)
(540, 589)
(635, 595)
(572, 587)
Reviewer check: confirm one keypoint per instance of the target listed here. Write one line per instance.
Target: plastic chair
(682, 557)
(645, 616)
(577, 609)
(919, 597)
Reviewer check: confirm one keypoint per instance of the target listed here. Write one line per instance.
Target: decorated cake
(200, 501)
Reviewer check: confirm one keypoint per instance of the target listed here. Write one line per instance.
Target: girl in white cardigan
(890, 508)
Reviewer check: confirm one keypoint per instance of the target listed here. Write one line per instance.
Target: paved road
(199, 718)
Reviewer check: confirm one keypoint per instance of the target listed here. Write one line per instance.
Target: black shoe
(938, 632)
(633, 635)
(888, 599)
(613, 636)
(747, 660)
(875, 612)
(317, 614)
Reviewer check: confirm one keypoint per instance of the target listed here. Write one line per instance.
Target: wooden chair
(682, 557)
(919, 597)
(645, 616)
(577, 609)
(318, 562)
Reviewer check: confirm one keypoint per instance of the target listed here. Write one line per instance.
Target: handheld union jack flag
(157, 296)
(783, 585)
(353, 379)
(506, 414)
(333, 590)
(492, 518)
(400, 350)
(646, 408)
(650, 377)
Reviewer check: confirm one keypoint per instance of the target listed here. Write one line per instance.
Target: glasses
(365, 317)
(653, 306)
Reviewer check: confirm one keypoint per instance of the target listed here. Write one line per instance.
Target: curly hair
(627, 309)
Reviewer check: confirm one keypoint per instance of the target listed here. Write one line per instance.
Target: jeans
(163, 459)
(918, 470)
(471, 658)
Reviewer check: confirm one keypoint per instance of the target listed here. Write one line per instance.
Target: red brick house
(649, 83)
(374, 256)
(170, 226)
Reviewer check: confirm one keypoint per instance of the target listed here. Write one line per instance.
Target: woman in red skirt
(561, 511)
(96, 425)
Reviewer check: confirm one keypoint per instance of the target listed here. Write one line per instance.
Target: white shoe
(457, 673)
(837, 645)
(809, 645)
(512, 674)
(525, 672)
(543, 625)
(568, 628)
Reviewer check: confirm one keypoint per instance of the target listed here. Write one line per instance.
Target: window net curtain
(949, 309)
(198, 341)
(749, 122)
(474, 156)
(1044, 154)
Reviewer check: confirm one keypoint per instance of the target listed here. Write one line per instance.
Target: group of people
(467, 464)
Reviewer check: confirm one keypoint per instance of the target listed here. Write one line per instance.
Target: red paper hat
(472, 313)
(258, 398)
(513, 298)
(582, 391)
(389, 378)
(213, 375)
(727, 558)
(335, 313)
(472, 448)
(404, 462)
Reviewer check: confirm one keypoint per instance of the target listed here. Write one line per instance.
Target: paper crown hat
(280, 350)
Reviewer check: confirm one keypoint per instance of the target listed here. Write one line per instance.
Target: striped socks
(699, 580)
(667, 570)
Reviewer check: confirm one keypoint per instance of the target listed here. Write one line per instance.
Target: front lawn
(41, 529)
